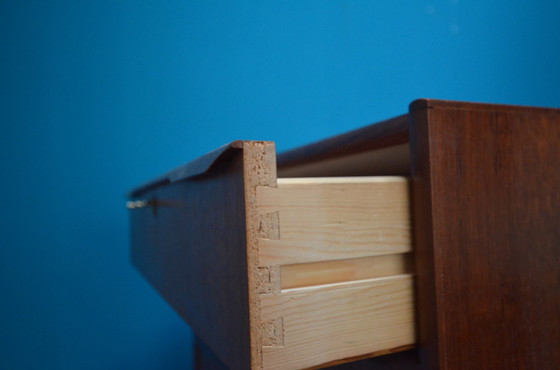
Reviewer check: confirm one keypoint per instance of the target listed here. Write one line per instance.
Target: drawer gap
(327, 272)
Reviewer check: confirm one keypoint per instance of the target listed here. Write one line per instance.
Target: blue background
(97, 97)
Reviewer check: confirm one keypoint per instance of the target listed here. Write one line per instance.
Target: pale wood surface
(326, 272)
(330, 322)
(340, 283)
(336, 218)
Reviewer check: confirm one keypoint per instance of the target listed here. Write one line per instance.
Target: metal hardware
(133, 204)
(154, 203)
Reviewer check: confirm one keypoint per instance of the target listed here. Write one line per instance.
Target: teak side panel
(192, 249)
(487, 235)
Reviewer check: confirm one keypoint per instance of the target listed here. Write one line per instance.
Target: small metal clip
(153, 203)
(133, 204)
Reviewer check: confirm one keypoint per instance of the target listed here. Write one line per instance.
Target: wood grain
(328, 305)
(199, 245)
(392, 160)
(327, 272)
(486, 209)
(389, 133)
(330, 322)
(487, 216)
(193, 251)
(336, 218)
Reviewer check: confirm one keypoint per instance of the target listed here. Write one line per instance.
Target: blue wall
(99, 96)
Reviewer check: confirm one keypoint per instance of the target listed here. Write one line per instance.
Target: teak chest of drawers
(428, 241)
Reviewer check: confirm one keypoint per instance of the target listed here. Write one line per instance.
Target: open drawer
(279, 273)
(337, 275)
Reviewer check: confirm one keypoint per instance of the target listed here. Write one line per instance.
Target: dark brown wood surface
(407, 360)
(486, 182)
(205, 358)
(193, 168)
(192, 249)
(380, 135)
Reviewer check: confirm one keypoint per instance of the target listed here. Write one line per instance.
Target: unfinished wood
(330, 322)
(378, 149)
(259, 170)
(332, 218)
(317, 273)
(336, 238)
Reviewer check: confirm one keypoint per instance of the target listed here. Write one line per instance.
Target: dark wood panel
(380, 135)
(407, 360)
(192, 249)
(487, 235)
(204, 358)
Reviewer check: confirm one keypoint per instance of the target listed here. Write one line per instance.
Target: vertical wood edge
(422, 231)
(259, 169)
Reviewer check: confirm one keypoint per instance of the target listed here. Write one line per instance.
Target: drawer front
(189, 242)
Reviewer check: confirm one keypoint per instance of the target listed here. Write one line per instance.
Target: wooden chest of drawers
(430, 241)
